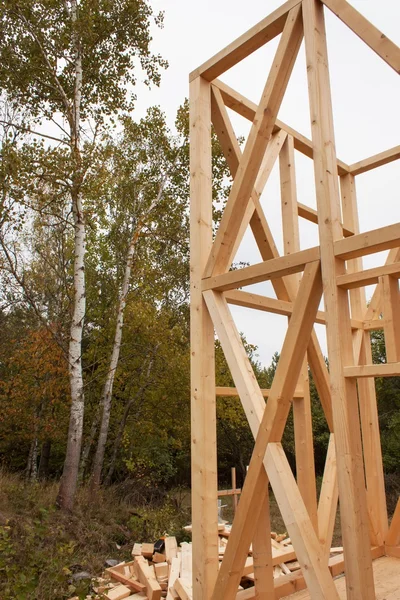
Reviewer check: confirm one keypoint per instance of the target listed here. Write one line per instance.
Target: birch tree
(70, 63)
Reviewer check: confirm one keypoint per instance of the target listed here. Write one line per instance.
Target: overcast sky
(366, 99)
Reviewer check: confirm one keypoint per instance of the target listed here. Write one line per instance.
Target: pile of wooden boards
(153, 575)
(150, 575)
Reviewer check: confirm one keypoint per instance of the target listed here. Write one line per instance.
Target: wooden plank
(262, 553)
(171, 547)
(353, 505)
(358, 279)
(303, 434)
(246, 44)
(375, 39)
(256, 144)
(119, 592)
(232, 391)
(391, 316)
(393, 535)
(203, 415)
(369, 242)
(173, 575)
(132, 584)
(312, 215)
(376, 496)
(233, 492)
(270, 269)
(383, 158)
(247, 109)
(146, 575)
(373, 370)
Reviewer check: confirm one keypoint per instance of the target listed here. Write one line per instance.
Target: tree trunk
(44, 460)
(108, 386)
(122, 424)
(89, 443)
(69, 479)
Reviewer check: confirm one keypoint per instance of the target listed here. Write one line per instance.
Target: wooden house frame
(300, 278)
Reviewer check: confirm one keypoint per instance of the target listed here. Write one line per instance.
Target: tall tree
(70, 63)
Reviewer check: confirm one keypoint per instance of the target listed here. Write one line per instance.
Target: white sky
(366, 94)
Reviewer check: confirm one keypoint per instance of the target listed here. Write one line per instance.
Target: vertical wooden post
(353, 506)
(376, 494)
(203, 410)
(262, 553)
(303, 433)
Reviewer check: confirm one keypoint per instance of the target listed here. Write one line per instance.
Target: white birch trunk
(69, 478)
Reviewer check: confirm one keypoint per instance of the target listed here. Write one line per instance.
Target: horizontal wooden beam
(246, 44)
(247, 109)
(374, 324)
(223, 493)
(375, 39)
(232, 391)
(379, 370)
(369, 242)
(383, 158)
(269, 269)
(310, 214)
(274, 306)
(367, 277)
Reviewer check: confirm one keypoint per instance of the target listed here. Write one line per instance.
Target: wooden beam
(256, 144)
(303, 433)
(247, 109)
(369, 242)
(375, 39)
(383, 158)
(359, 279)
(270, 269)
(246, 44)
(374, 370)
(232, 391)
(203, 402)
(312, 215)
(262, 553)
(376, 496)
(353, 505)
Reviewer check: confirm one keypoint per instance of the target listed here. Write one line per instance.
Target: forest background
(94, 301)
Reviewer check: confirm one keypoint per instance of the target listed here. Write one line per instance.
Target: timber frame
(333, 270)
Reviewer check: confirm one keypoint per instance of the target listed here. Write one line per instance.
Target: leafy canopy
(38, 44)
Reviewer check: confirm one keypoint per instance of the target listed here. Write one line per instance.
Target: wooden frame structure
(333, 270)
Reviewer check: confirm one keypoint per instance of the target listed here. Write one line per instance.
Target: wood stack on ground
(153, 575)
